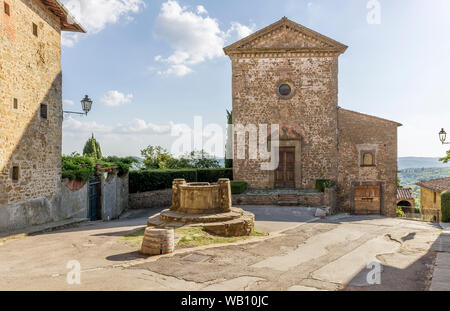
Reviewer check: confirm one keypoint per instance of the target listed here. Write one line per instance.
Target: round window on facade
(285, 90)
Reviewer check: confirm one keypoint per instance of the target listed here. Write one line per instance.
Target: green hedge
(445, 206)
(79, 167)
(238, 187)
(214, 174)
(150, 180)
(83, 167)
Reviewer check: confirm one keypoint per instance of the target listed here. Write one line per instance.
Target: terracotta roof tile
(405, 194)
(436, 185)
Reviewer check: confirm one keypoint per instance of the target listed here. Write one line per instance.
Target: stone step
(242, 226)
(288, 196)
(288, 203)
(288, 199)
(171, 216)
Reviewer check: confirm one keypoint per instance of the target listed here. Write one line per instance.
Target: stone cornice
(285, 52)
(68, 22)
(329, 45)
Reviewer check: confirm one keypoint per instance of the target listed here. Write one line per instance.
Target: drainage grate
(196, 257)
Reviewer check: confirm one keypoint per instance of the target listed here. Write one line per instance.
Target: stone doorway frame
(296, 143)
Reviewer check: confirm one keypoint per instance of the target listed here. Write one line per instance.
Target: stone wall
(30, 72)
(114, 195)
(308, 119)
(74, 200)
(151, 199)
(309, 200)
(359, 133)
(429, 199)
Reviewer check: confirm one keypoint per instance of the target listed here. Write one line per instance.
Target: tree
(446, 159)
(156, 157)
(92, 148)
(199, 159)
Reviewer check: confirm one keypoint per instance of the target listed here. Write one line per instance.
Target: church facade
(287, 74)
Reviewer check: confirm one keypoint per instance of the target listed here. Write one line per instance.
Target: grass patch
(135, 238)
(190, 236)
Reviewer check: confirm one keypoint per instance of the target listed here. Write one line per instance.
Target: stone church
(31, 110)
(287, 74)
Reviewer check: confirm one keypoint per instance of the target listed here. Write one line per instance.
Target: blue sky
(151, 64)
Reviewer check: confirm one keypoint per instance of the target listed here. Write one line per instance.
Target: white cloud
(139, 125)
(239, 31)
(95, 15)
(194, 37)
(76, 126)
(68, 102)
(201, 10)
(73, 127)
(115, 99)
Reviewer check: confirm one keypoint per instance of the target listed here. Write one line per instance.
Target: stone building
(31, 110)
(406, 199)
(430, 197)
(287, 74)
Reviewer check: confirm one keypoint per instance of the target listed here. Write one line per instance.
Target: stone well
(206, 204)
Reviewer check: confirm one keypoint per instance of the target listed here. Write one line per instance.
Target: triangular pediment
(285, 35)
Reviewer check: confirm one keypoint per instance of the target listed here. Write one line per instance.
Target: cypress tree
(92, 148)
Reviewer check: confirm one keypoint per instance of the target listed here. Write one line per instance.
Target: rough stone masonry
(31, 110)
(287, 74)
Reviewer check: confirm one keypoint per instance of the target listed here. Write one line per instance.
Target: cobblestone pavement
(331, 254)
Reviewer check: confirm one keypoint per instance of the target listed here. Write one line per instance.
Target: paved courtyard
(301, 253)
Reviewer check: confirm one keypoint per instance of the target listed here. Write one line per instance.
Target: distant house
(406, 199)
(430, 196)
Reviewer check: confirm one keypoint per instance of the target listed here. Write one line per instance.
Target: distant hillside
(417, 162)
(410, 176)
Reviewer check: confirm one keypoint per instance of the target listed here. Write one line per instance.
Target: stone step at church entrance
(288, 199)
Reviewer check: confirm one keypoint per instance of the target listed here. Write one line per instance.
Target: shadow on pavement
(138, 218)
(415, 277)
(126, 256)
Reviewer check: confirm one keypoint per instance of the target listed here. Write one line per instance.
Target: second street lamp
(443, 137)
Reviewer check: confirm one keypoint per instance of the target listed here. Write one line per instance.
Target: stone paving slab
(445, 226)
(442, 244)
(16, 234)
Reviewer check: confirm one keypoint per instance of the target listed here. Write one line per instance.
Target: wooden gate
(285, 174)
(367, 200)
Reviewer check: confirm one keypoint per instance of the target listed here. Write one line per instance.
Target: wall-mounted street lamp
(86, 105)
(443, 137)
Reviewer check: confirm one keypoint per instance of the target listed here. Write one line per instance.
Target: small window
(435, 198)
(35, 29)
(15, 104)
(7, 9)
(285, 90)
(15, 174)
(368, 159)
(44, 111)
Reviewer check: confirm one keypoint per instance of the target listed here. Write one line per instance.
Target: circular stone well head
(201, 197)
